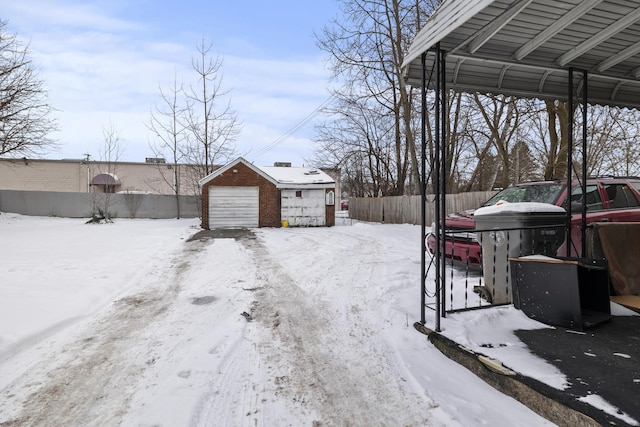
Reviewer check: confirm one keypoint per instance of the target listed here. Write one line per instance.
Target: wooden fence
(406, 209)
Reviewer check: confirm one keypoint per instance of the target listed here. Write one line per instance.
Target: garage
(241, 194)
(233, 207)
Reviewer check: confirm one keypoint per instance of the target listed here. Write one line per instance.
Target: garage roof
(281, 177)
(525, 47)
(287, 176)
(230, 166)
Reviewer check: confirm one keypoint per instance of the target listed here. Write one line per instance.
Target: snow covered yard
(131, 324)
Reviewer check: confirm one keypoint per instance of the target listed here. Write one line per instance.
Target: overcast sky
(103, 62)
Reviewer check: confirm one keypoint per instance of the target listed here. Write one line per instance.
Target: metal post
(443, 175)
(585, 98)
(569, 160)
(423, 187)
(438, 254)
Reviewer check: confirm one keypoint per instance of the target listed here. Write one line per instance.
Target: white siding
(233, 207)
(305, 211)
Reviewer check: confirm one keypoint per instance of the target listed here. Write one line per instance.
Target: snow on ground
(131, 324)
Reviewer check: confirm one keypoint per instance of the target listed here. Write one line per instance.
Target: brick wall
(241, 175)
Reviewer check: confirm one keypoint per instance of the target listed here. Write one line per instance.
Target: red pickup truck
(607, 199)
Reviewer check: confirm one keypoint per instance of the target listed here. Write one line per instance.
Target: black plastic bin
(568, 292)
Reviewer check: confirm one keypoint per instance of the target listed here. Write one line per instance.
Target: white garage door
(303, 208)
(233, 207)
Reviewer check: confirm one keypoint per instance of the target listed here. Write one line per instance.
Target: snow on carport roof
(525, 47)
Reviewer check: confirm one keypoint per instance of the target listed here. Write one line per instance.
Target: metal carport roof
(526, 47)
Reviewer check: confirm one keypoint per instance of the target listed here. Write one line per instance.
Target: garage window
(330, 198)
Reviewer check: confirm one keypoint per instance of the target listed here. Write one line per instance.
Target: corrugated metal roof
(525, 48)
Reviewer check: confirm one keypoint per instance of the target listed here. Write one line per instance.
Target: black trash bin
(568, 292)
(509, 230)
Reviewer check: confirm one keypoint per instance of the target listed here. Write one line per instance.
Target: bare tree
(357, 140)
(558, 117)
(366, 49)
(373, 125)
(459, 154)
(110, 154)
(212, 124)
(612, 139)
(522, 167)
(25, 115)
(482, 165)
(167, 126)
(501, 118)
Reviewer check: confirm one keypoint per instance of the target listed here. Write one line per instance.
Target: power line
(293, 130)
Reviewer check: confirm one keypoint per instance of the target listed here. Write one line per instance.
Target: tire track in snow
(334, 369)
(246, 384)
(90, 381)
(231, 396)
(205, 372)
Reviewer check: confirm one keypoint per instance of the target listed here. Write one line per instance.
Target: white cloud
(37, 13)
(99, 69)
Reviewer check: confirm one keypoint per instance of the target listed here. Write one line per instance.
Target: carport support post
(583, 177)
(443, 175)
(569, 159)
(438, 224)
(423, 189)
(585, 98)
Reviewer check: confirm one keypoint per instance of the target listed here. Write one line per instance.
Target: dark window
(299, 193)
(620, 196)
(594, 201)
(546, 193)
